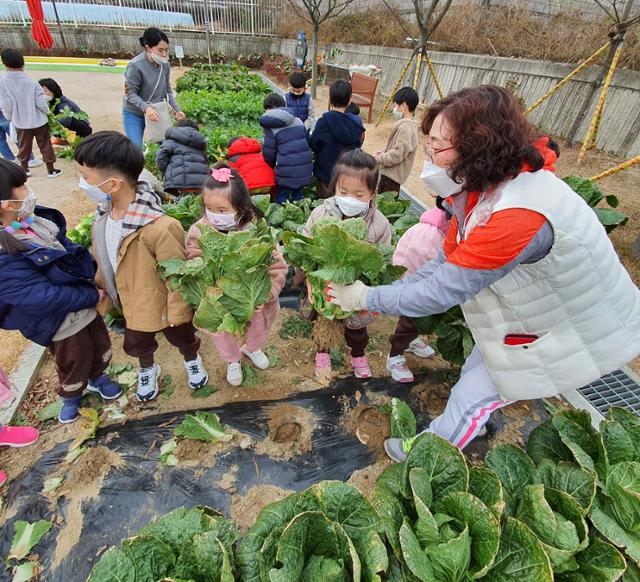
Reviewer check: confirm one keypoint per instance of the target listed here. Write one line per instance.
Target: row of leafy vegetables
(566, 509)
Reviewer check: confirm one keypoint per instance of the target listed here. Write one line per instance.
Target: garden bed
(286, 431)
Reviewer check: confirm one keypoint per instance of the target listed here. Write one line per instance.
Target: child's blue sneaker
(69, 411)
(105, 386)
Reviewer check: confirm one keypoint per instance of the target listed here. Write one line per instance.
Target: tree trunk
(314, 60)
(593, 89)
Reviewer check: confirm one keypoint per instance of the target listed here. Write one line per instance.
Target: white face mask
(222, 220)
(158, 59)
(439, 181)
(27, 206)
(94, 192)
(351, 206)
(396, 114)
(48, 98)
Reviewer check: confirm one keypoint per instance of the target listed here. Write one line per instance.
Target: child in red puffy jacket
(245, 155)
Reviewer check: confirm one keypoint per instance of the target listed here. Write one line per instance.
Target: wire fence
(250, 17)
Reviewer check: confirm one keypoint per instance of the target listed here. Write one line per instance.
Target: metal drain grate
(615, 389)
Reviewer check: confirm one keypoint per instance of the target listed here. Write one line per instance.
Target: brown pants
(143, 344)
(386, 184)
(81, 357)
(404, 334)
(43, 139)
(322, 190)
(357, 340)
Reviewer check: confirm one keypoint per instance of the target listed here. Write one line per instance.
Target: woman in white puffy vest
(549, 304)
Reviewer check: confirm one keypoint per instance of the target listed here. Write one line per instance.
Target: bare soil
(82, 482)
(290, 431)
(370, 427)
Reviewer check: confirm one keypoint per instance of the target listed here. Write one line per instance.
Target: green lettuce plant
(81, 232)
(188, 210)
(555, 513)
(328, 532)
(593, 195)
(436, 527)
(231, 279)
(398, 213)
(612, 456)
(290, 216)
(454, 340)
(338, 251)
(187, 544)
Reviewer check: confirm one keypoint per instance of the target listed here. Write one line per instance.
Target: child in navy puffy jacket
(335, 132)
(300, 102)
(47, 292)
(286, 148)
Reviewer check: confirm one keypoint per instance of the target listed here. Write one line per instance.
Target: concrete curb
(271, 84)
(24, 377)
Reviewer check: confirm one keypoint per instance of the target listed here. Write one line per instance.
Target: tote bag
(155, 130)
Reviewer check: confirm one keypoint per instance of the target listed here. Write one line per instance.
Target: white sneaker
(397, 365)
(148, 383)
(258, 358)
(35, 162)
(418, 348)
(234, 373)
(196, 373)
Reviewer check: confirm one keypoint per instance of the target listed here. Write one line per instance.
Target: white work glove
(349, 297)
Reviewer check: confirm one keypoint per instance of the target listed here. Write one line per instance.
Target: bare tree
(619, 11)
(316, 12)
(429, 14)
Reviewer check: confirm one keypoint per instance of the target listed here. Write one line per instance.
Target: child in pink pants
(228, 207)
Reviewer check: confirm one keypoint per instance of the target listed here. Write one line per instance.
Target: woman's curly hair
(492, 136)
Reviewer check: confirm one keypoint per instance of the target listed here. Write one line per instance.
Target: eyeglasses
(431, 151)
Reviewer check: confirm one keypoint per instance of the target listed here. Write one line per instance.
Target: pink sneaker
(323, 365)
(3, 478)
(18, 436)
(361, 367)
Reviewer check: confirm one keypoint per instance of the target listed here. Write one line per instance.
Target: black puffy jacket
(182, 158)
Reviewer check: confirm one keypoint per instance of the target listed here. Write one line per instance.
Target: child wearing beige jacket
(396, 160)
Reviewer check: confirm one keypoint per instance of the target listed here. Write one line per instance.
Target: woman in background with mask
(47, 292)
(549, 304)
(148, 87)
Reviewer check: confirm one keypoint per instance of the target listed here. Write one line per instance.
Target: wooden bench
(363, 92)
